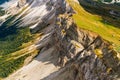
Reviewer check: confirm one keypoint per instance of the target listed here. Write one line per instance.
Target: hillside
(60, 40)
(103, 23)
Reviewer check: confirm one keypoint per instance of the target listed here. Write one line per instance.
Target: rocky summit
(59, 40)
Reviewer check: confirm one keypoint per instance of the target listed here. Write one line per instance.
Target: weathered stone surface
(66, 51)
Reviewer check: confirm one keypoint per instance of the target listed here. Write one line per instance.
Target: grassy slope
(14, 46)
(12, 61)
(93, 23)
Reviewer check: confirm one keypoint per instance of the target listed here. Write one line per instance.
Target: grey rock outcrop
(79, 54)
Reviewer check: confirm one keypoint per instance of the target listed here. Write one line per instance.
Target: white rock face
(38, 14)
(36, 70)
(6, 5)
(37, 11)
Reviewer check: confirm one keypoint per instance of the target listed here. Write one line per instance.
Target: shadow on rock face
(57, 46)
(76, 52)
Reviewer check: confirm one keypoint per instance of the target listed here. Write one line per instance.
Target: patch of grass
(11, 37)
(12, 42)
(94, 23)
(10, 66)
(9, 44)
(13, 61)
(15, 46)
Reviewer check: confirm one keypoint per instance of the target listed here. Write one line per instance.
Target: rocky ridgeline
(77, 54)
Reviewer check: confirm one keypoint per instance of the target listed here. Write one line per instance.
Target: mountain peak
(57, 40)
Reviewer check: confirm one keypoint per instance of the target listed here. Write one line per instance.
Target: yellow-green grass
(13, 61)
(94, 23)
(16, 45)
